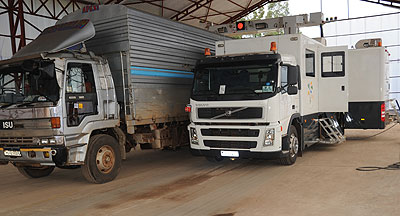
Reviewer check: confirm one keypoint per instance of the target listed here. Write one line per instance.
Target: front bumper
(242, 154)
(43, 155)
(260, 147)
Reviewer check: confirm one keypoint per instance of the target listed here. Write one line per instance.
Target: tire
(103, 159)
(294, 143)
(214, 159)
(36, 172)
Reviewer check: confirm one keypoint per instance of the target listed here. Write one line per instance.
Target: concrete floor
(323, 182)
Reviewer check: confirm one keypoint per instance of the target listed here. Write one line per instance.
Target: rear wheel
(36, 172)
(293, 140)
(103, 159)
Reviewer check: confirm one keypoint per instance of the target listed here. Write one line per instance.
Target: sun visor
(59, 37)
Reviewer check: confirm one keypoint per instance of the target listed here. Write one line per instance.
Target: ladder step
(332, 132)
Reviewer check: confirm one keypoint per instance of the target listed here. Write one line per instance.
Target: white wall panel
(387, 27)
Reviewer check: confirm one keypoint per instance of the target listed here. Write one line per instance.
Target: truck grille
(16, 140)
(230, 132)
(230, 113)
(230, 144)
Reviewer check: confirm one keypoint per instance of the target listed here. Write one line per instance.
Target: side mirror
(293, 75)
(292, 90)
(48, 69)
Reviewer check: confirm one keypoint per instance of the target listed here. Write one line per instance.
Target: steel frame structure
(195, 5)
(17, 9)
(389, 3)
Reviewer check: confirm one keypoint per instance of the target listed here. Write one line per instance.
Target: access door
(333, 79)
(80, 95)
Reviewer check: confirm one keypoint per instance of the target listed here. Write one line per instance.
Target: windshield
(28, 82)
(239, 80)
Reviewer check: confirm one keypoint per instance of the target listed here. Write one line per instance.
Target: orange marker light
(379, 43)
(207, 52)
(55, 122)
(273, 46)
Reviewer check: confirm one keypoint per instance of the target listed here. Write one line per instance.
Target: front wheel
(103, 159)
(293, 140)
(36, 172)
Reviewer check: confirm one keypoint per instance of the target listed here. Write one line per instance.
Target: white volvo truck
(269, 97)
(63, 106)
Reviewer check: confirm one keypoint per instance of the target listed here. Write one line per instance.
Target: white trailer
(368, 85)
(269, 97)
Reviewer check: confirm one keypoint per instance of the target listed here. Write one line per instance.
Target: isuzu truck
(92, 87)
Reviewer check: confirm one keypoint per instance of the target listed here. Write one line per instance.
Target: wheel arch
(118, 134)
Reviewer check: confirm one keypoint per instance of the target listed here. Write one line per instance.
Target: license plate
(12, 153)
(230, 153)
(6, 125)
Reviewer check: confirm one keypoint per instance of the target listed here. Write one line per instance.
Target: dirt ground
(322, 182)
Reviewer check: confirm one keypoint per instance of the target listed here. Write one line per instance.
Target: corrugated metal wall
(158, 54)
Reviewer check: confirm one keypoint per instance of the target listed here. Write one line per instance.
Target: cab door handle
(342, 88)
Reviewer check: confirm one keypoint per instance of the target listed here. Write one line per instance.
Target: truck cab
(56, 97)
(50, 104)
(245, 103)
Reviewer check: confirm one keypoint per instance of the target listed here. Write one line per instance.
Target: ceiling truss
(389, 3)
(201, 13)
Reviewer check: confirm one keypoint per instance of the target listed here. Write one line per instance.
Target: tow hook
(53, 152)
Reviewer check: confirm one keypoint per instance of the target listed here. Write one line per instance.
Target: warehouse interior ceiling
(199, 13)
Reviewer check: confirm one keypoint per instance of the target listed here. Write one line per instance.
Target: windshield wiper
(207, 93)
(47, 97)
(26, 103)
(248, 90)
(7, 105)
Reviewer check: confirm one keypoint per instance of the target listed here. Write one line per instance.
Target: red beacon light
(188, 108)
(241, 25)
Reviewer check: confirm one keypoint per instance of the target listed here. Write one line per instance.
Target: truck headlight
(58, 140)
(269, 137)
(193, 136)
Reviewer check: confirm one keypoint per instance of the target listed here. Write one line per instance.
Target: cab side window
(310, 63)
(80, 94)
(80, 78)
(284, 81)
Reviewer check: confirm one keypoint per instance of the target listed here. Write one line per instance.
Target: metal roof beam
(192, 8)
(211, 15)
(250, 9)
(393, 4)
